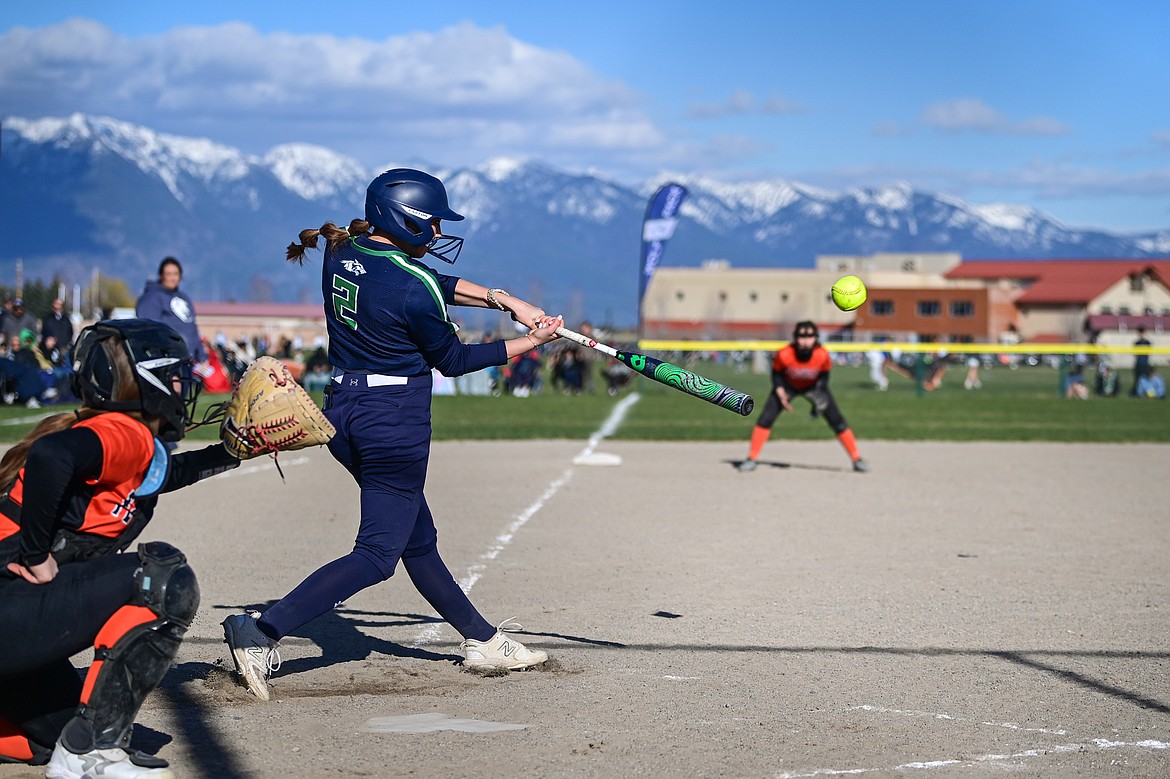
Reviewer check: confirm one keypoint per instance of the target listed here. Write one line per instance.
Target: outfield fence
(920, 347)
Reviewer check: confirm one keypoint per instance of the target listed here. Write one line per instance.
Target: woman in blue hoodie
(161, 301)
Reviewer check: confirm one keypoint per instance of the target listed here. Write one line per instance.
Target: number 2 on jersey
(345, 294)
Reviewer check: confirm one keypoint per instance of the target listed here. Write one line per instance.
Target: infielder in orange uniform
(802, 368)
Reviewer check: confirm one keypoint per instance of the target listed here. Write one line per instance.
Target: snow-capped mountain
(85, 192)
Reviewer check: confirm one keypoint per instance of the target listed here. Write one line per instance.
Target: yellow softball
(849, 293)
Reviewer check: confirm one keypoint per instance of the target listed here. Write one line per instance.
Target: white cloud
(455, 95)
(890, 129)
(1037, 179)
(741, 102)
(1066, 181)
(973, 115)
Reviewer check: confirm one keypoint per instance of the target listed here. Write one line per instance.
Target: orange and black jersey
(798, 376)
(90, 489)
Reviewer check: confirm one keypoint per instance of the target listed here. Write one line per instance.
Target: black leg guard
(134, 650)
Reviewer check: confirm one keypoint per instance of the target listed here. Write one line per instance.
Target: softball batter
(388, 327)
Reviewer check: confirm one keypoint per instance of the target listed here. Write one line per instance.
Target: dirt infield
(962, 610)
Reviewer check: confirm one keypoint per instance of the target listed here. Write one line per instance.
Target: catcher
(802, 368)
(77, 492)
(74, 494)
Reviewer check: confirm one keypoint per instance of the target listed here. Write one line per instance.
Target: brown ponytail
(15, 458)
(334, 235)
(125, 388)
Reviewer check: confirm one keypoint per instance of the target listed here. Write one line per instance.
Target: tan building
(719, 302)
(929, 297)
(300, 323)
(865, 265)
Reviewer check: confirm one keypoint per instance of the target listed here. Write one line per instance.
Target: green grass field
(1019, 405)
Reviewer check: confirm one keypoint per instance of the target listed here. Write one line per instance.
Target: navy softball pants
(383, 439)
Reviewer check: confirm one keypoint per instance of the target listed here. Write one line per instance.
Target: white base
(597, 458)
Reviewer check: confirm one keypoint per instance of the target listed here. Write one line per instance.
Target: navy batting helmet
(165, 385)
(405, 202)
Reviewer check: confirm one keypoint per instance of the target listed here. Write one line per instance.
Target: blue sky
(1064, 106)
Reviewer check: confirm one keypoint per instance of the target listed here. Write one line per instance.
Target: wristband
(490, 297)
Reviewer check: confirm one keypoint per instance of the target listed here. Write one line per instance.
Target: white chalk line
(430, 633)
(29, 420)
(265, 465)
(432, 723)
(925, 765)
(936, 715)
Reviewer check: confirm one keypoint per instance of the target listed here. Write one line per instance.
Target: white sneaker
(746, 465)
(254, 654)
(32, 403)
(103, 763)
(501, 651)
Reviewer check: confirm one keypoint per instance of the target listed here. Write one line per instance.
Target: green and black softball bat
(672, 375)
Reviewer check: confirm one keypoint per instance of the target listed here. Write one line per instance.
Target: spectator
(28, 343)
(1151, 385)
(21, 354)
(1010, 337)
(18, 320)
(1074, 383)
(617, 375)
(234, 360)
(21, 383)
(935, 369)
(162, 301)
(587, 358)
(244, 351)
(572, 374)
(1141, 362)
(1106, 380)
(58, 325)
(525, 369)
(215, 377)
(971, 381)
(57, 360)
(317, 371)
(876, 359)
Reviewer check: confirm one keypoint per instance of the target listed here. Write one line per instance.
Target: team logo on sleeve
(353, 266)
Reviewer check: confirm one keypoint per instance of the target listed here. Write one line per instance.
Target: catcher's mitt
(269, 412)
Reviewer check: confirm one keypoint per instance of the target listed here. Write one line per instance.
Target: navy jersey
(387, 313)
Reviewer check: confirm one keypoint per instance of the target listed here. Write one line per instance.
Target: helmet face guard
(446, 248)
(161, 365)
(805, 329)
(406, 203)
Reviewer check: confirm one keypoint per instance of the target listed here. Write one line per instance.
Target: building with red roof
(928, 297)
(1071, 299)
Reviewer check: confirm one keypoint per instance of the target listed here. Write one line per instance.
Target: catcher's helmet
(159, 365)
(405, 202)
(805, 328)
